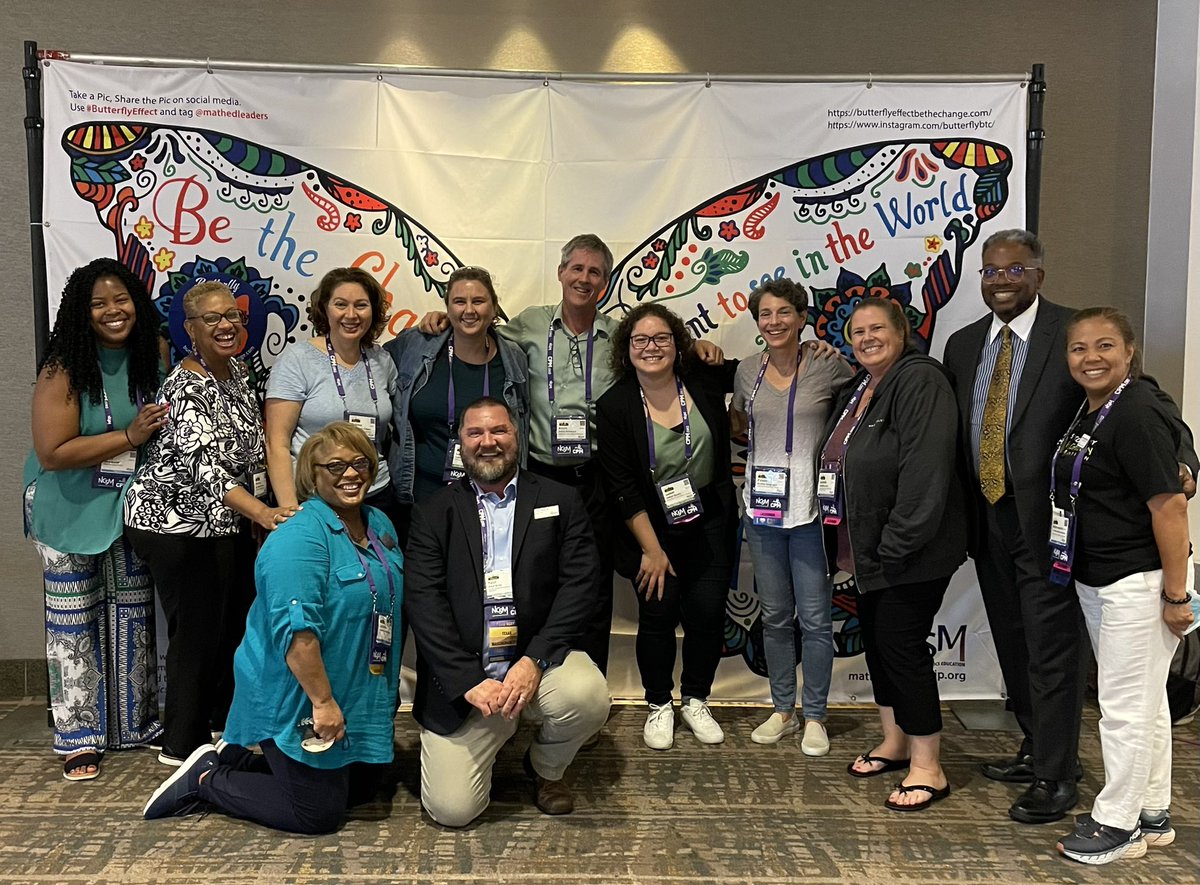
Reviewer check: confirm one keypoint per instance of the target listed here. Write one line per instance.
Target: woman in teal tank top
(93, 409)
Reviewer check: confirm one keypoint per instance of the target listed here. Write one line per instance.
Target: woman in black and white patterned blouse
(187, 514)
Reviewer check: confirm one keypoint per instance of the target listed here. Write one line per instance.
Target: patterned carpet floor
(735, 812)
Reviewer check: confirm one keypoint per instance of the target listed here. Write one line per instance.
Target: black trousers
(206, 586)
(896, 622)
(586, 479)
(695, 596)
(1040, 640)
(278, 792)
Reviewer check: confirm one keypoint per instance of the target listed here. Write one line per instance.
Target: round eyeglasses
(661, 340)
(362, 466)
(1014, 273)
(235, 316)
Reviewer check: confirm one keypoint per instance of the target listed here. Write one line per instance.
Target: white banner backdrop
(267, 180)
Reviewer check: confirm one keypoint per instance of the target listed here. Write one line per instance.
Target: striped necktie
(995, 423)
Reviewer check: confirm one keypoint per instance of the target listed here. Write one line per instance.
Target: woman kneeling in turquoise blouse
(316, 674)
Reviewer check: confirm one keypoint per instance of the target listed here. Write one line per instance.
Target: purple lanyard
(487, 381)
(484, 531)
(687, 425)
(1085, 450)
(791, 417)
(108, 417)
(337, 377)
(587, 375)
(840, 448)
(373, 540)
(233, 373)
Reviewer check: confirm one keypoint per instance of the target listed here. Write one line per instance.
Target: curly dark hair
(324, 291)
(619, 352)
(72, 345)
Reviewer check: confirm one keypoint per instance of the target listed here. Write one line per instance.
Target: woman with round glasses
(317, 671)
(663, 435)
(340, 374)
(783, 399)
(439, 375)
(188, 513)
(93, 411)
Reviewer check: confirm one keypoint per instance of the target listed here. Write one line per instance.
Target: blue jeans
(791, 576)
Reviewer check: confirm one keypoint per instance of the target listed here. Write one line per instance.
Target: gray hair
(1020, 237)
(591, 243)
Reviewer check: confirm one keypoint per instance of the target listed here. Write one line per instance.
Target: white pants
(456, 769)
(1133, 655)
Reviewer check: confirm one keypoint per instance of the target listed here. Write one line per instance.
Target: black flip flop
(75, 764)
(934, 796)
(888, 765)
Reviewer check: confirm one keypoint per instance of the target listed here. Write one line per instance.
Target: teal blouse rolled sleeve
(309, 578)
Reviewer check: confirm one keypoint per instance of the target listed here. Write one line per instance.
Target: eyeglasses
(235, 316)
(661, 340)
(1014, 272)
(361, 466)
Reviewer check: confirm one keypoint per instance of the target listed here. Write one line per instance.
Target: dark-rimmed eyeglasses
(235, 316)
(661, 340)
(362, 466)
(1014, 272)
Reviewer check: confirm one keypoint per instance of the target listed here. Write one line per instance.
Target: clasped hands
(510, 697)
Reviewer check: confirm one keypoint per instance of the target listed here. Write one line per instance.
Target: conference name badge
(254, 480)
(768, 495)
(381, 642)
(112, 473)
(366, 423)
(679, 500)
(497, 585)
(1062, 546)
(569, 437)
(454, 469)
(828, 497)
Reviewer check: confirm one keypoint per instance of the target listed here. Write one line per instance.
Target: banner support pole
(1035, 141)
(35, 133)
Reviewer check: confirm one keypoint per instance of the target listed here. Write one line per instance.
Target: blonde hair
(332, 435)
(209, 287)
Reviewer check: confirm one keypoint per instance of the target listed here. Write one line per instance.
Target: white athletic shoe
(775, 729)
(816, 740)
(699, 719)
(659, 730)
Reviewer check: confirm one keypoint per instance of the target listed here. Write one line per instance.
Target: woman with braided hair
(93, 410)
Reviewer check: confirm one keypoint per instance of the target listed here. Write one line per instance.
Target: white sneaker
(775, 729)
(659, 730)
(816, 740)
(699, 719)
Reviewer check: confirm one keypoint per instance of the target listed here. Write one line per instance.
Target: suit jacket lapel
(467, 513)
(1043, 338)
(527, 495)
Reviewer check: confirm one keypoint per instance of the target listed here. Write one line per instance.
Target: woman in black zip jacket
(891, 495)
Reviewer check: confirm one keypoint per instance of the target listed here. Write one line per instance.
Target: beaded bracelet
(1187, 597)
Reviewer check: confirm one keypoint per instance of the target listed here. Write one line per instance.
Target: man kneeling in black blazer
(499, 585)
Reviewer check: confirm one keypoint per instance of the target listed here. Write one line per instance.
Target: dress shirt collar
(510, 491)
(1022, 325)
(556, 321)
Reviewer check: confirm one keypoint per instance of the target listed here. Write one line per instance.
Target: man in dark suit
(500, 583)
(1016, 400)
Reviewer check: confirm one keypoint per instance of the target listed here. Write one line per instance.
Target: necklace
(357, 539)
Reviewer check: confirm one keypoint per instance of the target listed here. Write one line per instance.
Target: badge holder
(1062, 546)
(255, 481)
(679, 500)
(366, 423)
(569, 437)
(454, 469)
(829, 496)
(113, 472)
(768, 495)
(381, 642)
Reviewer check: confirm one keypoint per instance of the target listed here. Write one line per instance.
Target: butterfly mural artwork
(891, 219)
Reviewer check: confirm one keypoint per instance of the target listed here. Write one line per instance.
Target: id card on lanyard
(369, 424)
(382, 623)
(1062, 519)
(830, 493)
(453, 469)
(570, 436)
(499, 607)
(769, 486)
(111, 473)
(679, 499)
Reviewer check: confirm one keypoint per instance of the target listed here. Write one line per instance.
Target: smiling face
(113, 312)
(470, 308)
(348, 313)
(582, 278)
(877, 343)
(222, 341)
(489, 446)
(1006, 299)
(779, 323)
(346, 492)
(655, 360)
(1098, 357)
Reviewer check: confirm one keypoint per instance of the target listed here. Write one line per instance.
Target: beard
(490, 470)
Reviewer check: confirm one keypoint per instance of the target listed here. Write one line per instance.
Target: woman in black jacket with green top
(889, 491)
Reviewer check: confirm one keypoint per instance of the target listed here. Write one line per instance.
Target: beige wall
(1099, 56)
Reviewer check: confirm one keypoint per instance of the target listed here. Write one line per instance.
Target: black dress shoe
(1018, 770)
(1045, 802)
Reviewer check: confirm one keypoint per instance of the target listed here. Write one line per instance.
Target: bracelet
(132, 445)
(1187, 597)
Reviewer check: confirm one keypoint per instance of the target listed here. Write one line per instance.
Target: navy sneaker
(182, 789)
(1157, 830)
(1094, 843)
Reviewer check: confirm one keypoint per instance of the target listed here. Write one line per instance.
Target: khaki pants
(456, 769)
